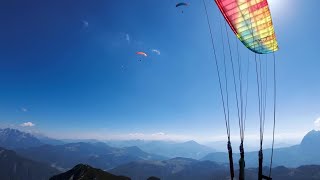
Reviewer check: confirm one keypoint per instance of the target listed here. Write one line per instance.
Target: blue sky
(70, 68)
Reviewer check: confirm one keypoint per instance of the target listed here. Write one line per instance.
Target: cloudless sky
(70, 68)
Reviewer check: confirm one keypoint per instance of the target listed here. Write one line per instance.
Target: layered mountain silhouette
(47, 140)
(36, 160)
(173, 169)
(189, 149)
(15, 167)
(310, 172)
(86, 172)
(306, 153)
(98, 155)
(188, 169)
(15, 139)
(182, 168)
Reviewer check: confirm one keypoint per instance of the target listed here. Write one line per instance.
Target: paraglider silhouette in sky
(182, 4)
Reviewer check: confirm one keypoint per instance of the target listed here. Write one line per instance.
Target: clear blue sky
(70, 67)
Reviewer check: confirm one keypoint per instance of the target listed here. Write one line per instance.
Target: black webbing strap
(230, 160)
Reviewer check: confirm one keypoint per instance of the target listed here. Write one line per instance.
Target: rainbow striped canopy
(251, 21)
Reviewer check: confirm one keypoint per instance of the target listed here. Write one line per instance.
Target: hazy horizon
(217, 143)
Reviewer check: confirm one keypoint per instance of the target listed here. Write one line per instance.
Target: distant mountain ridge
(47, 140)
(311, 141)
(184, 169)
(13, 139)
(172, 169)
(188, 149)
(137, 164)
(98, 155)
(28, 145)
(188, 169)
(16, 139)
(306, 153)
(15, 167)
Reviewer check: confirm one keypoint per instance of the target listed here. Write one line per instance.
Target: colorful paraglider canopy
(182, 4)
(251, 21)
(142, 53)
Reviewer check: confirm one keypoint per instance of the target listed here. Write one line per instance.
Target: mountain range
(177, 168)
(188, 149)
(38, 160)
(67, 155)
(188, 169)
(183, 168)
(98, 155)
(305, 153)
(13, 139)
(15, 167)
(28, 145)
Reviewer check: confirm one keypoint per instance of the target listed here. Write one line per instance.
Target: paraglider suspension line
(222, 95)
(274, 110)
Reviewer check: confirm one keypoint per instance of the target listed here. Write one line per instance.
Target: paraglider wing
(251, 21)
(142, 53)
(181, 4)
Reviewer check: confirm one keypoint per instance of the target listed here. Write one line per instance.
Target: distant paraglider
(141, 54)
(181, 5)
